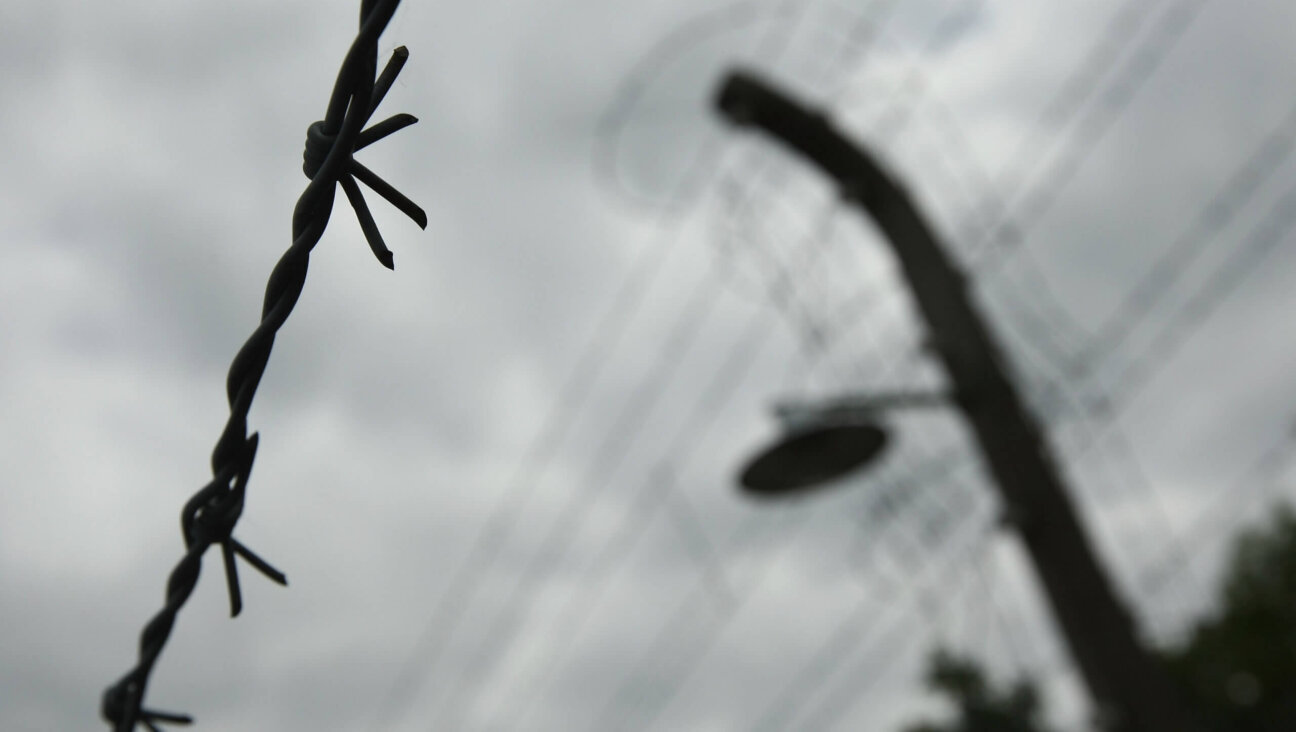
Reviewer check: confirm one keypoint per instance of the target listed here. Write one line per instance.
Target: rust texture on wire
(208, 518)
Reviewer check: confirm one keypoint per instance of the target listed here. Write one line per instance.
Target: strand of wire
(1043, 658)
(647, 268)
(1157, 283)
(209, 516)
(1091, 121)
(1051, 326)
(679, 622)
(850, 693)
(1223, 511)
(1082, 86)
(1034, 196)
(1155, 287)
(454, 601)
(1089, 111)
(1233, 197)
(629, 99)
(1068, 103)
(656, 492)
(695, 649)
(439, 629)
(1273, 230)
(1107, 48)
(1221, 283)
(608, 456)
(1020, 660)
(1125, 484)
(653, 497)
(866, 29)
(846, 641)
(621, 545)
(693, 644)
(779, 286)
(1047, 332)
(574, 395)
(1121, 30)
(659, 492)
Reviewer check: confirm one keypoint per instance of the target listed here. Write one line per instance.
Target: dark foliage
(1237, 667)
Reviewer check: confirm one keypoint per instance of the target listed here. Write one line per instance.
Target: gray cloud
(152, 160)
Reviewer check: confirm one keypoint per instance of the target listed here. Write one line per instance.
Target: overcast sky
(500, 478)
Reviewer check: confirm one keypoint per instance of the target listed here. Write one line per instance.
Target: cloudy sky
(500, 478)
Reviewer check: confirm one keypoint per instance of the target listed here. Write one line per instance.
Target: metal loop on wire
(323, 142)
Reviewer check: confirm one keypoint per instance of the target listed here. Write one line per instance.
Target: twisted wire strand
(208, 518)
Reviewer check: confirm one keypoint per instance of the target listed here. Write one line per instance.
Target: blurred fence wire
(208, 518)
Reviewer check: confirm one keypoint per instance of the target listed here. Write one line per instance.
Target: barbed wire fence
(209, 516)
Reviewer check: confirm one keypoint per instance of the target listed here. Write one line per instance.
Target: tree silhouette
(980, 707)
(1237, 667)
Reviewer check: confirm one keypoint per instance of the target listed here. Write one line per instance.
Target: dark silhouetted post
(1129, 687)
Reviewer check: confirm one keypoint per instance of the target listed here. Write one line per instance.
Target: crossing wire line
(1270, 239)
(1087, 110)
(628, 300)
(608, 456)
(1156, 284)
(661, 487)
(1083, 85)
(485, 548)
(1106, 47)
(1049, 325)
(609, 333)
(628, 99)
(695, 642)
(1081, 438)
(1030, 201)
(847, 641)
(1265, 238)
(643, 512)
(632, 675)
(1043, 331)
(680, 620)
(1039, 331)
(1222, 512)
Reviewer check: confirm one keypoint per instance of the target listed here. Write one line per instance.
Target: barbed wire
(209, 517)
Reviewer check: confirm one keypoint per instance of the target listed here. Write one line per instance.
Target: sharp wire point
(388, 77)
(389, 192)
(389, 126)
(231, 579)
(367, 224)
(256, 561)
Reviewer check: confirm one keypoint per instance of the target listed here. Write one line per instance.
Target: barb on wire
(208, 518)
